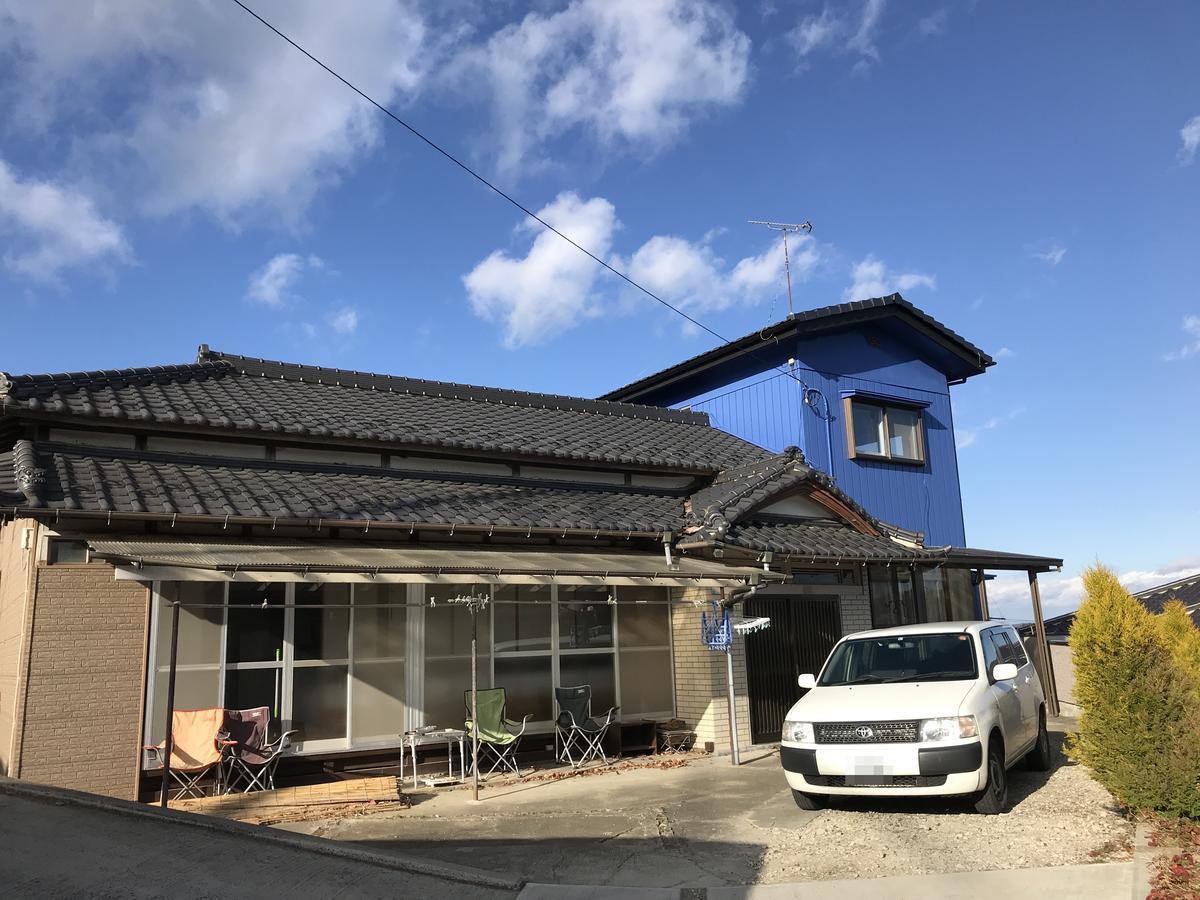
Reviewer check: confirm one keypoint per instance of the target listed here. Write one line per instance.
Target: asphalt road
(53, 849)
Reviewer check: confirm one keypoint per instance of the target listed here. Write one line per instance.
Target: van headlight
(949, 728)
(798, 732)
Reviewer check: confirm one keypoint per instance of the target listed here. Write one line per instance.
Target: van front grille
(867, 732)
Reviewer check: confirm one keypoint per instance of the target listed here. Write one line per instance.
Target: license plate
(871, 766)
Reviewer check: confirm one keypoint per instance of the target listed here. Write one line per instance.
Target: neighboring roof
(972, 360)
(496, 564)
(102, 480)
(236, 394)
(1185, 590)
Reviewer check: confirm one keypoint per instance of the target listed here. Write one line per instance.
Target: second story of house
(863, 388)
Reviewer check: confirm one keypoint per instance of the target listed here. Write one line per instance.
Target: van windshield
(909, 657)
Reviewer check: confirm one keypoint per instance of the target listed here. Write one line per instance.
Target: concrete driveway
(711, 825)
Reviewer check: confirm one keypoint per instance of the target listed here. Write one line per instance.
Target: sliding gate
(803, 630)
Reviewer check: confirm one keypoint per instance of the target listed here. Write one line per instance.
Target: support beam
(1043, 648)
(981, 578)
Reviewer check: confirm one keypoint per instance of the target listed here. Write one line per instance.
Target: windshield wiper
(862, 679)
(959, 675)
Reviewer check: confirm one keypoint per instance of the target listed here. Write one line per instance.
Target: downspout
(738, 595)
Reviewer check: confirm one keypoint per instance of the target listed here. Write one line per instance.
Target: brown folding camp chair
(250, 759)
(197, 747)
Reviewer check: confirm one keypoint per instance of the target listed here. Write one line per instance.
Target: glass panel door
(320, 664)
(254, 648)
(380, 642)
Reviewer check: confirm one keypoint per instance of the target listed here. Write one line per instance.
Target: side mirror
(1004, 672)
(807, 681)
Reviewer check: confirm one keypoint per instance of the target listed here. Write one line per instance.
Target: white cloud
(633, 73)
(1008, 595)
(272, 284)
(840, 33)
(695, 278)
(934, 23)
(345, 320)
(1052, 254)
(549, 290)
(553, 287)
(872, 278)
(967, 436)
(1191, 328)
(52, 227)
(1005, 353)
(1190, 135)
(197, 106)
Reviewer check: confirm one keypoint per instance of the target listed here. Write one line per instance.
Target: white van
(941, 708)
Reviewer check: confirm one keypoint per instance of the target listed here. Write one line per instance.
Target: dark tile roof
(822, 542)
(127, 481)
(739, 490)
(809, 321)
(1185, 590)
(229, 393)
(97, 480)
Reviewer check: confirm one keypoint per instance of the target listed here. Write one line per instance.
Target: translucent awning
(200, 561)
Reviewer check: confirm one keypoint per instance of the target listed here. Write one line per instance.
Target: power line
(454, 159)
(462, 165)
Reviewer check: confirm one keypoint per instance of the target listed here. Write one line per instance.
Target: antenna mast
(787, 228)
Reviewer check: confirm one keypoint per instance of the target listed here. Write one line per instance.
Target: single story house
(314, 524)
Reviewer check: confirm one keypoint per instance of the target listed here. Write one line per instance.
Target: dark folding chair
(575, 730)
(250, 759)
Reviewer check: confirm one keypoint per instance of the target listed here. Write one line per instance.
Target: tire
(810, 802)
(1040, 758)
(993, 799)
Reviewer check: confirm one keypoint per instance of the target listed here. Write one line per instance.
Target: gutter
(319, 522)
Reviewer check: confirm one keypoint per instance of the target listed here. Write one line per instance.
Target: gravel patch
(1064, 819)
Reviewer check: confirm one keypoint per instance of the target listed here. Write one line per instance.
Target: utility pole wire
(479, 177)
(454, 159)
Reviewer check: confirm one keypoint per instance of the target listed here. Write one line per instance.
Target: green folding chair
(498, 736)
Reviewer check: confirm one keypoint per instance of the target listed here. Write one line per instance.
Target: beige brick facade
(79, 713)
(701, 698)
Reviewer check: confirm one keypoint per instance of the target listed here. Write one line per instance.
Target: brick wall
(700, 674)
(15, 564)
(81, 726)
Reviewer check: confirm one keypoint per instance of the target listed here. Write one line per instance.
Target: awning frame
(221, 561)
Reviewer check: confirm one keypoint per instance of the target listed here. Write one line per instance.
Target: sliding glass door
(329, 660)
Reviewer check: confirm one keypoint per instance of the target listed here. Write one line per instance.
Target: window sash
(909, 418)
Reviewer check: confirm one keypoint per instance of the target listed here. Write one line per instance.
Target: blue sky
(172, 174)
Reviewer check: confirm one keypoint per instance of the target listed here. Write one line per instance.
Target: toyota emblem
(864, 732)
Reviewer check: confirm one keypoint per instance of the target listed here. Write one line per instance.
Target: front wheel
(1039, 758)
(810, 802)
(994, 798)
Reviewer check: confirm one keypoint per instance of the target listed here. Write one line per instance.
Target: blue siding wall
(768, 408)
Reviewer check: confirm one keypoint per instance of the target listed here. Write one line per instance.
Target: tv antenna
(787, 228)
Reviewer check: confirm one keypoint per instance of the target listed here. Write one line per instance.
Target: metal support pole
(787, 268)
(474, 706)
(1039, 631)
(169, 743)
(733, 739)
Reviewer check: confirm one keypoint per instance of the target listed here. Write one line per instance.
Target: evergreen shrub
(1136, 682)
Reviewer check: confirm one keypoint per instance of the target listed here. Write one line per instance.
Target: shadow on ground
(641, 861)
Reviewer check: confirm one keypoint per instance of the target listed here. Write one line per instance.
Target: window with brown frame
(878, 430)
